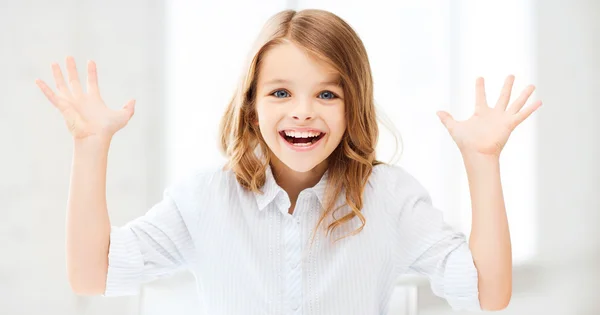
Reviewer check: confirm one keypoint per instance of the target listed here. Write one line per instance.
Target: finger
(129, 108)
(61, 85)
(519, 102)
(446, 119)
(505, 93)
(73, 77)
(480, 98)
(92, 78)
(522, 115)
(56, 101)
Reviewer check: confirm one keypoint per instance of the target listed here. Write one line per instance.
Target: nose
(303, 111)
(302, 117)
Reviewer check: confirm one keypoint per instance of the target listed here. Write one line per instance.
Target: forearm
(88, 225)
(490, 237)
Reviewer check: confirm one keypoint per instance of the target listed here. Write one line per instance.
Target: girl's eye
(327, 95)
(280, 94)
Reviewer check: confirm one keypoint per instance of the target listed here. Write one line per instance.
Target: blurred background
(180, 60)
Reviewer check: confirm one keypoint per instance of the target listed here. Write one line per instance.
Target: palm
(85, 113)
(88, 115)
(488, 130)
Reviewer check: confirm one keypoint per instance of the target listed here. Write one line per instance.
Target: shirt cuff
(461, 281)
(125, 263)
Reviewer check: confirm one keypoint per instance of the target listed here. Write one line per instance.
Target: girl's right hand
(85, 114)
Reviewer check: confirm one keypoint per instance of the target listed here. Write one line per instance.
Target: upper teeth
(306, 134)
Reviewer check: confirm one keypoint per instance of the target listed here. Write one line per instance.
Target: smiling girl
(303, 219)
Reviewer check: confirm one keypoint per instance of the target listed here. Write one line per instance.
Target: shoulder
(394, 176)
(396, 183)
(201, 183)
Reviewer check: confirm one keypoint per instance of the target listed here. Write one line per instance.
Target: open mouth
(301, 139)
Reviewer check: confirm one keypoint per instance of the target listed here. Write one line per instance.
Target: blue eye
(280, 94)
(327, 95)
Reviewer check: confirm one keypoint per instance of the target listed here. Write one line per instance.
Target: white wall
(125, 39)
(569, 138)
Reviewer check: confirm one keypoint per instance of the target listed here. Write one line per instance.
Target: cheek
(267, 120)
(337, 121)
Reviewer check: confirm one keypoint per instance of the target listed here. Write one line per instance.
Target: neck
(294, 182)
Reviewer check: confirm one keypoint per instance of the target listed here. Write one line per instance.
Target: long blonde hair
(330, 39)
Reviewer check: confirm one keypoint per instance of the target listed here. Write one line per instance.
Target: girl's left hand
(487, 131)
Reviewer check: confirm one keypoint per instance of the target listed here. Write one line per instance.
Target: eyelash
(334, 95)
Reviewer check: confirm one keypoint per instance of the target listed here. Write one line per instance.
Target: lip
(302, 149)
(304, 129)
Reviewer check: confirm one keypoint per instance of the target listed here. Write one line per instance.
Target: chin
(301, 165)
(300, 160)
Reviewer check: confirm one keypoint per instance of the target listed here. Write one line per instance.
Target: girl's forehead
(287, 61)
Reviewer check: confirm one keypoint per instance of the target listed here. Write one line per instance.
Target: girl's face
(300, 107)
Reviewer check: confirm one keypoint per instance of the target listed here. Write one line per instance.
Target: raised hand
(85, 113)
(487, 131)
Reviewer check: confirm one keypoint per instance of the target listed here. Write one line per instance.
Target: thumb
(129, 108)
(446, 119)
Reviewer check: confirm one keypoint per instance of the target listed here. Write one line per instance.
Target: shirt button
(295, 265)
(296, 304)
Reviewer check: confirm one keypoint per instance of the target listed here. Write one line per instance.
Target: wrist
(94, 144)
(479, 157)
(477, 161)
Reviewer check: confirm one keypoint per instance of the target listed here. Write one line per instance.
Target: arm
(490, 238)
(480, 140)
(88, 225)
(102, 259)
(92, 125)
(114, 261)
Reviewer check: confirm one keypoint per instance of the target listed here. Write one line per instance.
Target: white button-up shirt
(250, 256)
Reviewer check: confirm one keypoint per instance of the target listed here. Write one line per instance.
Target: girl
(303, 219)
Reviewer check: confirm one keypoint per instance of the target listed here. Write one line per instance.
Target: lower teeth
(302, 144)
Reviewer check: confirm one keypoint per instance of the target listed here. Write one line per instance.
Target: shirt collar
(272, 192)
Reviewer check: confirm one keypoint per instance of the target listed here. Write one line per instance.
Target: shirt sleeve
(435, 250)
(154, 245)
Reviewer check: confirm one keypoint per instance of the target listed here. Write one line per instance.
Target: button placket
(293, 254)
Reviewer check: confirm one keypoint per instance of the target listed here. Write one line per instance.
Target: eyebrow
(282, 81)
